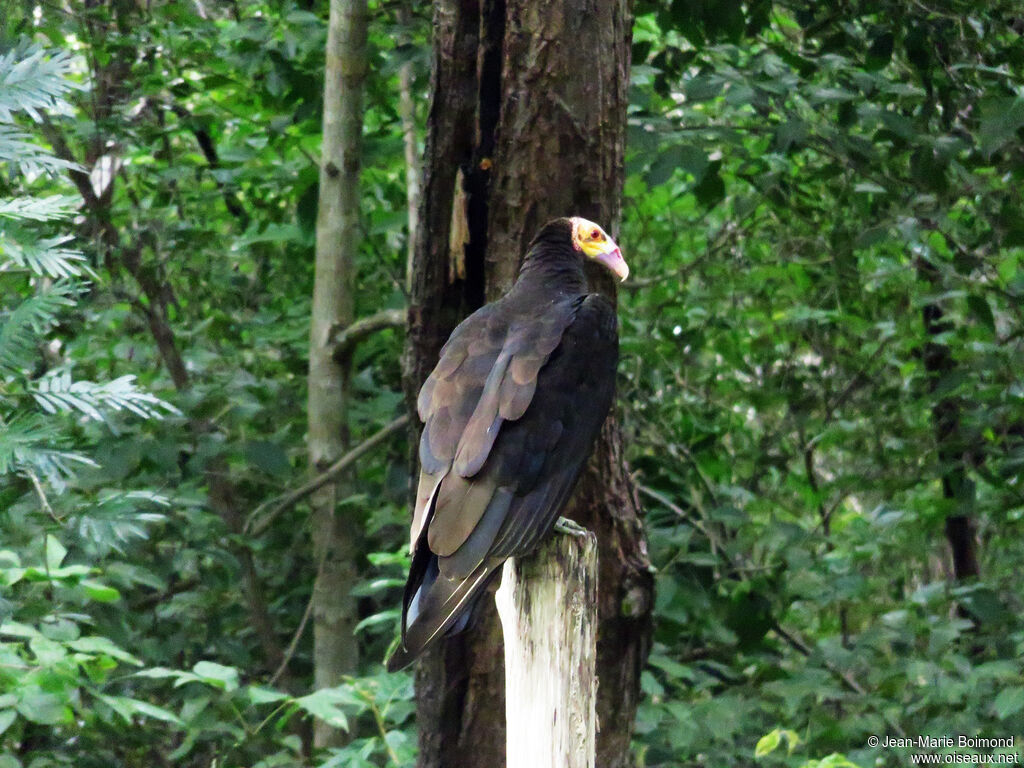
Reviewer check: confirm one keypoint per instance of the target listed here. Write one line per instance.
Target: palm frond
(22, 327)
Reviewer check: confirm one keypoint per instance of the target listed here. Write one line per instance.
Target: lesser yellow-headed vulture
(510, 414)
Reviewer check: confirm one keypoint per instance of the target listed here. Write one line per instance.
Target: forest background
(820, 392)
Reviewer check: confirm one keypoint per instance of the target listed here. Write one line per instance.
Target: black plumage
(510, 415)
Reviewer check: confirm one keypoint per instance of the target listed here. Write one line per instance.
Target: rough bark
(335, 651)
(548, 608)
(525, 124)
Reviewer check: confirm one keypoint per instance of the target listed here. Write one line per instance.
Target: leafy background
(820, 366)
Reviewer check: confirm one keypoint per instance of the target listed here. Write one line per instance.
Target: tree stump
(548, 609)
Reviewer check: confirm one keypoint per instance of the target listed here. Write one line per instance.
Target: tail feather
(437, 606)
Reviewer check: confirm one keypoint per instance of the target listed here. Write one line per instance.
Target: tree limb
(344, 339)
(267, 512)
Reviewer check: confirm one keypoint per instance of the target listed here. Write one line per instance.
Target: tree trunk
(957, 487)
(512, 69)
(335, 651)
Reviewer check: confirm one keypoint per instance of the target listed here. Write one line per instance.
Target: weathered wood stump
(548, 609)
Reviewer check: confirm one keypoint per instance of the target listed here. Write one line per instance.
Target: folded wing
(510, 414)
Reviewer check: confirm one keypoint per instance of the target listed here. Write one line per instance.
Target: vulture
(510, 414)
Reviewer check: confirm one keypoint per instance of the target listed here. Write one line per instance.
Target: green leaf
(835, 760)
(217, 675)
(268, 457)
(768, 743)
(323, 704)
(38, 208)
(127, 708)
(45, 709)
(711, 188)
(260, 695)
(387, 617)
(21, 328)
(160, 673)
(153, 711)
(376, 586)
(1009, 702)
(102, 645)
(7, 717)
(790, 134)
(100, 592)
(869, 187)
(704, 87)
(1000, 119)
(55, 552)
(1007, 267)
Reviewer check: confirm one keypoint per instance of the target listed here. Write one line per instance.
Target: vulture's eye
(595, 235)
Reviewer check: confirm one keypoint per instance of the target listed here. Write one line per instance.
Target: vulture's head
(586, 238)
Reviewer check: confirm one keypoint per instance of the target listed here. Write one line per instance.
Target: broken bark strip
(548, 608)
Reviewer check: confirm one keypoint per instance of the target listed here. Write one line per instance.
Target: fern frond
(25, 446)
(20, 434)
(38, 208)
(33, 80)
(22, 327)
(57, 393)
(43, 257)
(57, 467)
(119, 517)
(18, 148)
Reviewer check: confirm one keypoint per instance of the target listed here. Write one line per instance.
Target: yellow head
(595, 244)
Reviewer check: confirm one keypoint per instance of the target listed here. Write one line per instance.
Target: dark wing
(473, 522)
(486, 374)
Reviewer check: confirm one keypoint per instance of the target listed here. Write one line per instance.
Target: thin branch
(708, 487)
(42, 497)
(290, 650)
(812, 480)
(848, 679)
(697, 523)
(662, 498)
(857, 379)
(209, 150)
(267, 512)
(344, 339)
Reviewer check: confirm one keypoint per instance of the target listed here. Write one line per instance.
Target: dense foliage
(826, 351)
(820, 369)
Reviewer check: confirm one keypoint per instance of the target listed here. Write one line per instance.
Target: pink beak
(614, 261)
